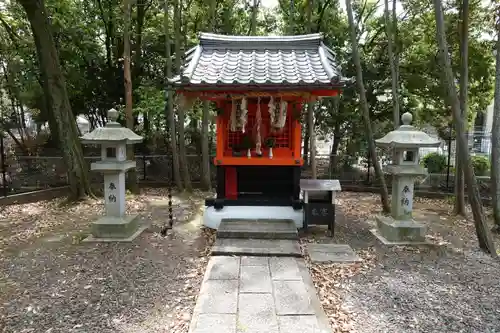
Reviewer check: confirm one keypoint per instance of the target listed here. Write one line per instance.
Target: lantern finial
(406, 118)
(112, 115)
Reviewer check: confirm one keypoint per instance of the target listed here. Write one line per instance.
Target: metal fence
(29, 173)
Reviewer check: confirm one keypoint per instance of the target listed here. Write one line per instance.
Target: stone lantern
(113, 139)
(404, 143)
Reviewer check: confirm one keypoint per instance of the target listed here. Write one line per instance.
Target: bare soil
(50, 281)
(446, 286)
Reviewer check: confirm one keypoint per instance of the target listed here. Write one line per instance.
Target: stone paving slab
(255, 279)
(219, 323)
(254, 261)
(332, 253)
(256, 314)
(284, 269)
(303, 324)
(257, 301)
(256, 247)
(261, 229)
(218, 296)
(224, 268)
(291, 298)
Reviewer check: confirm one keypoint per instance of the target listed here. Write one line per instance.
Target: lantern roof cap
(113, 132)
(407, 136)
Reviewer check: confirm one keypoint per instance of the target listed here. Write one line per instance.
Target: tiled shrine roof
(294, 61)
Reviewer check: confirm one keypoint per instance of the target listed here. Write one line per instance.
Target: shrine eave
(224, 92)
(257, 87)
(263, 61)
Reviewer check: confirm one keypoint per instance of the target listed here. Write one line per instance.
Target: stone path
(256, 247)
(242, 294)
(332, 253)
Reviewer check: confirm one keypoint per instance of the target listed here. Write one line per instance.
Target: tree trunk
(483, 234)
(137, 70)
(396, 54)
(306, 143)
(255, 9)
(333, 163)
(384, 194)
(133, 186)
(291, 17)
(56, 95)
(334, 157)
(312, 139)
(310, 108)
(389, 31)
(186, 177)
(459, 208)
(495, 138)
(206, 180)
(170, 103)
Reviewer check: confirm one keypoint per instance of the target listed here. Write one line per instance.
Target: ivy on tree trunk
(57, 100)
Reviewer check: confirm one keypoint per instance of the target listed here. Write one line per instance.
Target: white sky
(274, 3)
(269, 3)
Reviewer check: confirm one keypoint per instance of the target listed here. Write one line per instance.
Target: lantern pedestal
(391, 231)
(115, 227)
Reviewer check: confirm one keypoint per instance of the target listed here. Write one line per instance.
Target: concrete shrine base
(115, 229)
(213, 217)
(399, 232)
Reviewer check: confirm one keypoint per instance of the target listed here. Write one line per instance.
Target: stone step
(256, 247)
(257, 229)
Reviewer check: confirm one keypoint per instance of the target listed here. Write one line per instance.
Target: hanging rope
(233, 122)
(243, 116)
(272, 112)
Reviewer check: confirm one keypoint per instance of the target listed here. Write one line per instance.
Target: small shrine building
(259, 85)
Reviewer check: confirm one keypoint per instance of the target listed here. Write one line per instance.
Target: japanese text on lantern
(404, 200)
(112, 197)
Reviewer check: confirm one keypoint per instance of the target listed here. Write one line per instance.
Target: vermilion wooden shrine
(259, 85)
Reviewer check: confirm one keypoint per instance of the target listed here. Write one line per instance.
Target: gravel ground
(449, 286)
(51, 282)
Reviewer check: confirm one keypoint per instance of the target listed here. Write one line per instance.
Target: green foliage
(269, 142)
(434, 162)
(247, 142)
(481, 165)
(89, 39)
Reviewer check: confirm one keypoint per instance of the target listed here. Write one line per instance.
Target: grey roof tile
(220, 59)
